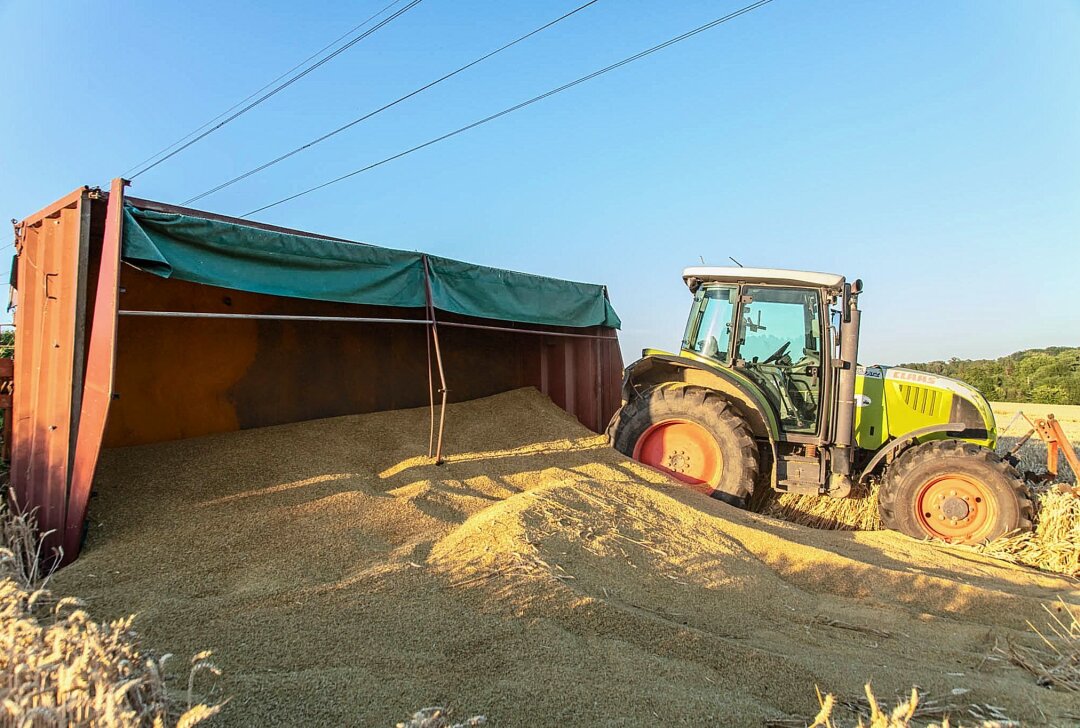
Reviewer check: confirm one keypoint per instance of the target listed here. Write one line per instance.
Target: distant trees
(1047, 376)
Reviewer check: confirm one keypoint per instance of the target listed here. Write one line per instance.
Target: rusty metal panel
(98, 380)
(185, 377)
(52, 251)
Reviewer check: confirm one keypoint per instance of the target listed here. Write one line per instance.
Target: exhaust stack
(840, 484)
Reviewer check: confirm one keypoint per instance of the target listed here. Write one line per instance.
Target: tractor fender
(656, 369)
(897, 444)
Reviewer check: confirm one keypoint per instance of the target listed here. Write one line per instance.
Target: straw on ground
(59, 667)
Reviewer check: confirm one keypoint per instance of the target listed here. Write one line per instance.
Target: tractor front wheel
(953, 491)
(692, 434)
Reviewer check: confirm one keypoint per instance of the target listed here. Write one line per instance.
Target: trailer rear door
(50, 327)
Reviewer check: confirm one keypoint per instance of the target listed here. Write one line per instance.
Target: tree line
(1046, 376)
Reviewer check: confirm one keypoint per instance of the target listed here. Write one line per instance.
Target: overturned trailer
(141, 322)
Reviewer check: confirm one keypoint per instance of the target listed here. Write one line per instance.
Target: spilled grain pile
(536, 578)
(59, 667)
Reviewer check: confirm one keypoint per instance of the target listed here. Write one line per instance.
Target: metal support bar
(272, 317)
(438, 359)
(100, 373)
(538, 332)
(359, 319)
(1021, 442)
(599, 389)
(431, 400)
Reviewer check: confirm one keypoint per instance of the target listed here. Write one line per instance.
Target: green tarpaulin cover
(233, 255)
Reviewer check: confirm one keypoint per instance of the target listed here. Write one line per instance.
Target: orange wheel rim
(684, 450)
(956, 508)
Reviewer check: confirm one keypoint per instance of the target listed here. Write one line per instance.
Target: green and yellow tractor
(766, 392)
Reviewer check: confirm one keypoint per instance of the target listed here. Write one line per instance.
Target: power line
(280, 87)
(523, 104)
(397, 101)
(244, 100)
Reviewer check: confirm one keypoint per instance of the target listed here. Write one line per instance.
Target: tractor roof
(722, 274)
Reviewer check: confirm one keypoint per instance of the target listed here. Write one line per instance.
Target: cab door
(780, 346)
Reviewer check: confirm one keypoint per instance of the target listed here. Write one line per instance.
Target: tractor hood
(914, 399)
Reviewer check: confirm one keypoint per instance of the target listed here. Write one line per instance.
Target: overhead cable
(516, 107)
(393, 103)
(277, 89)
(244, 100)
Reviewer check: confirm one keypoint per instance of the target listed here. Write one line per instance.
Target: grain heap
(536, 578)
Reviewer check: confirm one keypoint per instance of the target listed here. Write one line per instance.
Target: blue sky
(930, 148)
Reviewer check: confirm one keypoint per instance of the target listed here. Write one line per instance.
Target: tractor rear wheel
(953, 491)
(692, 434)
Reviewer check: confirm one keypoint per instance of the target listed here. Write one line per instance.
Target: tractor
(766, 392)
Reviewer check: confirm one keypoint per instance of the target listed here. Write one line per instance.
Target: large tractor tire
(692, 434)
(953, 491)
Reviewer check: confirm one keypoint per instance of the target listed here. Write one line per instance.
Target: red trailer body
(108, 355)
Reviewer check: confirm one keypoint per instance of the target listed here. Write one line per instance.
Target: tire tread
(901, 469)
(706, 404)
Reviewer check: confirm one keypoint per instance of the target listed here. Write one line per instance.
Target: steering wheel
(778, 353)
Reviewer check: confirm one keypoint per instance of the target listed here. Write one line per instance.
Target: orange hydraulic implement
(1049, 430)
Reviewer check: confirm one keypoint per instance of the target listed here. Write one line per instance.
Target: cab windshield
(708, 332)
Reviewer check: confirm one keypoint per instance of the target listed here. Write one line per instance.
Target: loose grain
(536, 578)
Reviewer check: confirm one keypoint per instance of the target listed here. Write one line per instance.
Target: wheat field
(1067, 414)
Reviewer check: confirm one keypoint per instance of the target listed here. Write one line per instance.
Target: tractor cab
(772, 326)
